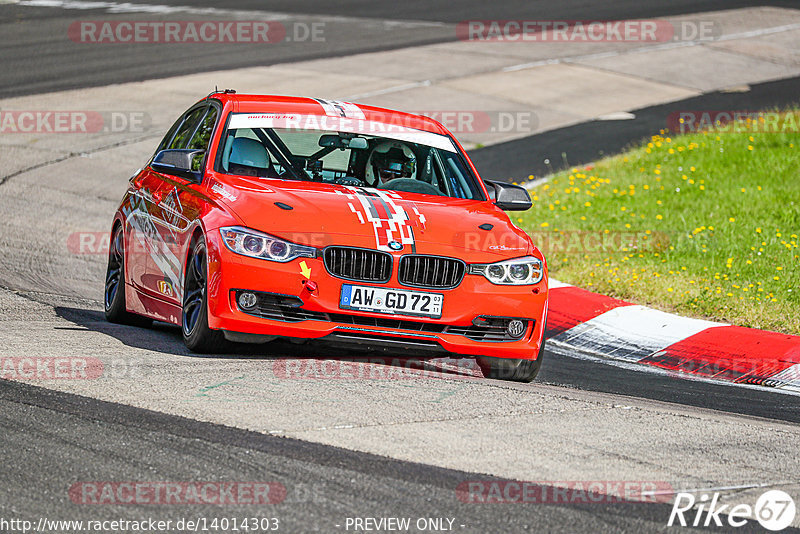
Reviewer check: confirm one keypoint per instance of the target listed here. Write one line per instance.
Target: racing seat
(249, 157)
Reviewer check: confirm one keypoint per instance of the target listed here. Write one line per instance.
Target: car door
(157, 270)
(178, 206)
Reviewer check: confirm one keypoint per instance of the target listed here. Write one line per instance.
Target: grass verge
(703, 225)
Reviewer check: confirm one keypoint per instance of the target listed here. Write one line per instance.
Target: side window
(170, 134)
(188, 128)
(202, 136)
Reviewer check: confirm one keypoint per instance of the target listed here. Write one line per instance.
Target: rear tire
(197, 335)
(512, 369)
(114, 296)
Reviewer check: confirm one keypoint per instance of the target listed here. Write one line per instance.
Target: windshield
(357, 153)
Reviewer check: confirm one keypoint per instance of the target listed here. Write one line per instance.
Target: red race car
(269, 216)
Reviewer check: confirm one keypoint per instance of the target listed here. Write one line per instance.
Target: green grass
(703, 225)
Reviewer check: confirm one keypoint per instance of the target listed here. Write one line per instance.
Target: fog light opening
(247, 300)
(515, 328)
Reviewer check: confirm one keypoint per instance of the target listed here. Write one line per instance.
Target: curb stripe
(632, 332)
(620, 330)
(732, 353)
(570, 306)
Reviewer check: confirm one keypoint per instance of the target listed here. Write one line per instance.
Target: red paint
(731, 353)
(571, 306)
(165, 213)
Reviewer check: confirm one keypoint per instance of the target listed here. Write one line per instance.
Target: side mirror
(185, 163)
(509, 197)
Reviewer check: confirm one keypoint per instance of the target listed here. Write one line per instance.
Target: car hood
(320, 214)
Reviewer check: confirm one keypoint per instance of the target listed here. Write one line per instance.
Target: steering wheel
(348, 180)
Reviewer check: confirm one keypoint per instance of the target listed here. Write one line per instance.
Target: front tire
(512, 369)
(197, 335)
(114, 296)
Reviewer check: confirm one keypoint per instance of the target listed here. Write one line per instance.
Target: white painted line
(633, 332)
(555, 284)
(618, 116)
(790, 377)
(388, 90)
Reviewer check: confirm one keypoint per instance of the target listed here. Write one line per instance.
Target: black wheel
(512, 369)
(114, 298)
(197, 336)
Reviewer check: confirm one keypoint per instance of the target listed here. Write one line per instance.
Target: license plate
(391, 301)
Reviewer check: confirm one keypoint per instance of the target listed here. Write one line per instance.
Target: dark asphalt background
(38, 57)
(50, 439)
(590, 141)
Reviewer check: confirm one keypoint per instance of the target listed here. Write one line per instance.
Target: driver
(249, 157)
(390, 160)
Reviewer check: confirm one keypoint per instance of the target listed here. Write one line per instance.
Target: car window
(305, 143)
(377, 161)
(187, 129)
(202, 136)
(170, 134)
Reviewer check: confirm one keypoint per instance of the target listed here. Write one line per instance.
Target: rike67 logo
(774, 510)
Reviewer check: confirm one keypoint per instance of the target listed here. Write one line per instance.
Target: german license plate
(391, 301)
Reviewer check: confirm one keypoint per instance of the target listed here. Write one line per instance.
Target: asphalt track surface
(550, 151)
(56, 438)
(38, 57)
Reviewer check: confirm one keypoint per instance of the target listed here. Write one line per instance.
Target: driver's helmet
(248, 157)
(390, 160)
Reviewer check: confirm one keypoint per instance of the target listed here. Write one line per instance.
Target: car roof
(248, 103)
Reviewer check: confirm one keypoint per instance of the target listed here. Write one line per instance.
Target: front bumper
(316, 314)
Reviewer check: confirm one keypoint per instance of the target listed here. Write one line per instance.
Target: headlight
(518, 272)
(252, 243)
